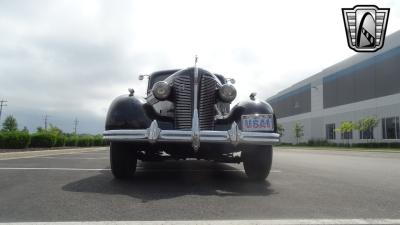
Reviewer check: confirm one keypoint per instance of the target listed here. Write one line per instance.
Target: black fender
(131, 112)
(247, 107)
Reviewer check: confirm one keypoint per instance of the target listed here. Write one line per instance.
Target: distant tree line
(12, 138)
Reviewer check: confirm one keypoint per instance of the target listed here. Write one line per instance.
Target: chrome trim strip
(154, 135)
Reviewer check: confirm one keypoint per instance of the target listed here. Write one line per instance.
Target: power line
(2, 103)
(76, 121)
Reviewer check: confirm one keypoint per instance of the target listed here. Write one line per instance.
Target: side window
(391, 128)
(368, 134)
(346, 135)
(330, 131)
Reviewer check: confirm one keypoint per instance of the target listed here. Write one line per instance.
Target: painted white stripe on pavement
(44, 168)
(52, 157)
(35, 154)
(232, 222)
(140, 169)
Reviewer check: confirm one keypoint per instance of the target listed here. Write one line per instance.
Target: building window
(346, 135)
(390, 128)
(368, 134)
(330, 131)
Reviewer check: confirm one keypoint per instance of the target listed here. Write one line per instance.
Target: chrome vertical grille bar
(196, 81)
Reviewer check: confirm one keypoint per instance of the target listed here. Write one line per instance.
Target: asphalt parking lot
(303, 184)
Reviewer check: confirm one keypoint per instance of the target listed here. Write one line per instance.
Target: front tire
(257, 161)
(123, 160)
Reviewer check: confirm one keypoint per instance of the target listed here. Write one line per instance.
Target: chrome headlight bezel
(161, 90)
(227, 93)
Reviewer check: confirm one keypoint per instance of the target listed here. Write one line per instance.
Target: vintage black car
(187, 115)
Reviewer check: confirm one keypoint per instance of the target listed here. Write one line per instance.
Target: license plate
(258, 122)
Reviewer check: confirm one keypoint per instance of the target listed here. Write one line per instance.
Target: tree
(25, 130)
(10, 124)
(345, 129)
(298, 131)
(55, 130)
(280, 129)
(366, 124)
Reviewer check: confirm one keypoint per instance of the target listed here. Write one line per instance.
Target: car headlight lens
(227, 92)
(161, 90)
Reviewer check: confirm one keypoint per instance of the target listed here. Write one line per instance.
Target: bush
(325, 143)
(378, 145)
(47, 139)
(43, 139)
(71, 141)
(283, 144)
(85, 141)
(98, 140)
(14, 139)
(60, 140)
(317, 142)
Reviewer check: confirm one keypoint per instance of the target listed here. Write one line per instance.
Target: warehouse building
(364, 85)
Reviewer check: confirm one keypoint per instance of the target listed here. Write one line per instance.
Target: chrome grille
(183, 102)
(183, 87)
(207, 101)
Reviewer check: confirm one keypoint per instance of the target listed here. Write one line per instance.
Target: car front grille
(183, 102)
(207, 101)
(183, 86)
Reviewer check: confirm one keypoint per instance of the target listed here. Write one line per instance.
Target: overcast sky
(70, 58)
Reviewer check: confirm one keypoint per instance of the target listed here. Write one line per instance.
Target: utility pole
(46, 117)
(76, 121)
(2, 103)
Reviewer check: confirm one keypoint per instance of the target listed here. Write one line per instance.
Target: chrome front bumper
(154, 134)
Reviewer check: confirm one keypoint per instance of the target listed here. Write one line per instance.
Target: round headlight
(227, 92)
(161, 90)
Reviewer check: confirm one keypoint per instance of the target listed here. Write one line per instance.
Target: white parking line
(41, 153)
(51, 168)
(52, 157)
(231, 222)
(140, 169)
